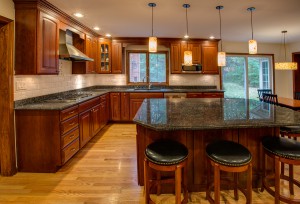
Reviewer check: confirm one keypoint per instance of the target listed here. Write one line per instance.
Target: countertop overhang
(210, 113)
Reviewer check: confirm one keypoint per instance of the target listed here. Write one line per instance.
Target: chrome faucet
(149, 82)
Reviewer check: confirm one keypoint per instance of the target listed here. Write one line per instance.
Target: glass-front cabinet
(104, 65)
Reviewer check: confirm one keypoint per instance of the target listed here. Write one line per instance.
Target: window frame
(128, 52)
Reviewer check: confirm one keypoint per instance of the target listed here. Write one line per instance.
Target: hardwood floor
(104, 171)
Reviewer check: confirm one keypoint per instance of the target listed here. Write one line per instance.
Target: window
(145, 67)
(244, 74)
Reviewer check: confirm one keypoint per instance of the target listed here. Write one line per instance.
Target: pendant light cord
(220, 29)
(284, 45)
(187, 24)
(251, 25)
(152, 21)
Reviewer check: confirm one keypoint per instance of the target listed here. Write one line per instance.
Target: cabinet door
(209, 60)
(47, 44)
(196, 52)
(103, 115)
(96, 120)
(115, 106)
(135, 104)
(175, 58)
(85, 120)
(116, 58)
(104, 59)
(89, 51)
(125, 107)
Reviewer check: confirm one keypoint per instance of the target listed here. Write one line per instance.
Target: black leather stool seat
(166, 152)
(290, 129)
(282, 147)
(228, 153)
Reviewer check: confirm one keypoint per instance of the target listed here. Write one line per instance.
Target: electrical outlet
(20, 85)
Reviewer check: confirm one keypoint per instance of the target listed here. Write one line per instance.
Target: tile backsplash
(27, 86)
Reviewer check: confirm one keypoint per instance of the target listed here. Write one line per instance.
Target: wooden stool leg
(185, 190)
(207, 178)
(158, 180)
(178, 186)
(277, 180)
(291, 178)
(236, 195)
(146, 182)
(263, 171)
(249, 184)
(217, 183)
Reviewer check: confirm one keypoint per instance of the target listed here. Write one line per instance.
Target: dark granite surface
(63, 100)
(202, 113)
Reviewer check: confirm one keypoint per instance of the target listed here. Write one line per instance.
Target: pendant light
(221, 55)
(285, 65)
(152, 39)
(252, 43)
(187, 55)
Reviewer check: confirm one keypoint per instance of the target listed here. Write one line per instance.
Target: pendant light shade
(252, 43)
(187, 55)
(285, 65)
(152, 39)
(221, 54)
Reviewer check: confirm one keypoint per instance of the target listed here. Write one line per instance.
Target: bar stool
(282, 150)
(230, 157)
(162, 156)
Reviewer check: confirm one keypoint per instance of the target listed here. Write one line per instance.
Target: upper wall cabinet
(204, 53)
(116, 58)
(36, 42)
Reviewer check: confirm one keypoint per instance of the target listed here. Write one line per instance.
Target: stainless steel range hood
(66, 49)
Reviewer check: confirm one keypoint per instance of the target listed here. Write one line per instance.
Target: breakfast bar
(199, 121)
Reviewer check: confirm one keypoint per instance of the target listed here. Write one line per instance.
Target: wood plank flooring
(103, 172)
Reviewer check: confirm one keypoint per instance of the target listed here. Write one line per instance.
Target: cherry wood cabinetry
(116, 58)
(119, 104)
(85, 120)
(136, 99)
(209, 62)
(36, 42)
(46, 139)
(104, 57)
(91, 52)
(204, 53)
(205, 95)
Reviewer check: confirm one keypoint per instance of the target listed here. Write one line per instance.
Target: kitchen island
(197, 122)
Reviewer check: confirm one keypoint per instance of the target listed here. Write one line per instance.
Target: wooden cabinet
(116, 58)
(209, 59)
(175, 58)
(96, 119)
(91, 52)
(85, 120)
(36, 44)
(136, 100)
(46, 139)
(119, 106)
(204, 53)
(205, 95)
(104, 57)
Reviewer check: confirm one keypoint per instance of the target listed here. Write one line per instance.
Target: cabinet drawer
(69, 124)
(89, 104)
(194, 95)
(213, 95)
(69, 151)
(68, 113)
(102, 98)
(146, 95)
(69, 137)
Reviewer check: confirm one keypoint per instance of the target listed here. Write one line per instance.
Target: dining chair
(261, 91)
(270, 98)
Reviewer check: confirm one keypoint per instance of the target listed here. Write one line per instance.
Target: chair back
(261, 91)
(297, 95)
(270, 98)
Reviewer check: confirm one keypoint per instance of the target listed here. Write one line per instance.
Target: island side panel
(196, 142)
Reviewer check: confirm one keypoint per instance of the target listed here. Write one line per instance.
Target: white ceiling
(132, 18)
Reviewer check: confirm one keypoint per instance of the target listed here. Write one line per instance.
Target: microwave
(192, 68)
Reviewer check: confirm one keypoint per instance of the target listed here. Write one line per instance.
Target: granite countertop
(201, 113)
(50, 102)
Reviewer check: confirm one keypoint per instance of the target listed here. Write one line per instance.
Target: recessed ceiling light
(96, 28)
(108, 35)
(186, 36)
(212, 37)
(79, 15)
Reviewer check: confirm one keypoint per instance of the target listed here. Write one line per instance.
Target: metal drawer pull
(71, 112)
(72, 123)
(71, 136)
(73, 149)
